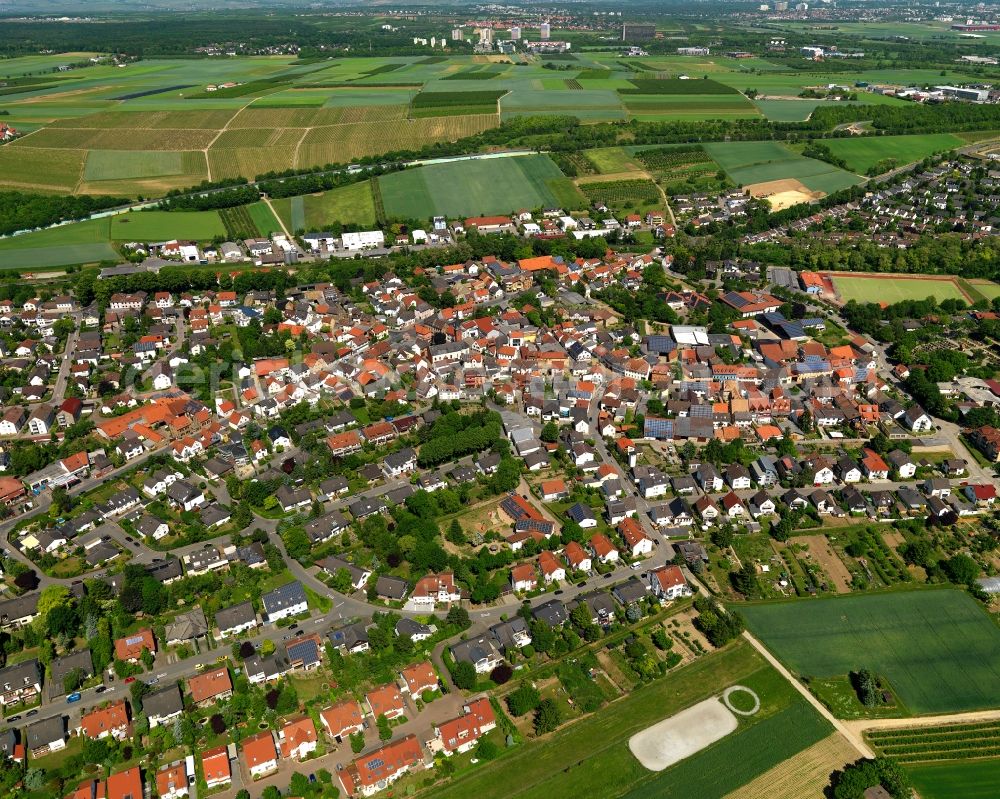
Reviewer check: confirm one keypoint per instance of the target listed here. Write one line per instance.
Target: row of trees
(455, 435)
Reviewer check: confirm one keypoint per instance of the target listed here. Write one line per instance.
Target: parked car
(76, 696)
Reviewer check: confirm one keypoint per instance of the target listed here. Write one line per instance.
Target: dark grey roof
(632, 590)
(19, 607)
(61, 667)
(350, 635)
(552, 612)
(505, 631)
(333, 565)
(391, 587)
(165, 702)
(46, 731)
(410, 628)
(235, 616)
(474, 650)
(397, 460)
(167, 569)
(284, 596)
(579, 512)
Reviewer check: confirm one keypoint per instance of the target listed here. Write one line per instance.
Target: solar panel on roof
(376, 763)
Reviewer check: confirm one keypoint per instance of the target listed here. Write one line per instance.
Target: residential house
(577, 557)
(461, 734)
(524, 577)
(343, 719)
(297, 739)
(236, 619)
(417, 678)
(260, 754)
(552, 569)
(110, 721)
(480, 652)
(210, 687)
(435, 588)
(284, 601)
(131, 646)
(377, 770)
(172, 781)
(386, 701)
(215, 766)
(163, 706)
(668, 583)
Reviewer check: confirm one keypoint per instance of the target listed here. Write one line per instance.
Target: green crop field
(895, 288)
(348, 205)
(92, 231)
(864, 152)
(264, 218)
(591, 757)
(976, 779)
(654, 107)
(166, 225)
(677, 86)
(787, 110)
(747, 163)
(482, 186)
(938, 649)
(132, 164)
(77, 243)
(612, 160)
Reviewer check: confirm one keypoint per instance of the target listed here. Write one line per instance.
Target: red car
(129, 679)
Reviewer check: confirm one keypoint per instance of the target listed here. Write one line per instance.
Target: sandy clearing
(680, 736)
(828, 560)
(805, 774)
(783, 193)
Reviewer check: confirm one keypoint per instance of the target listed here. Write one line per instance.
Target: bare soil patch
(828, 560)
(784, 193)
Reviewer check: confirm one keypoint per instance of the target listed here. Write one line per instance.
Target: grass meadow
(938, 649)
(864, 152)
(352, 204)
(483, 186)
(166, 225)
(977, 779)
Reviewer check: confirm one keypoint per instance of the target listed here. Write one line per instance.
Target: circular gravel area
(740, 689)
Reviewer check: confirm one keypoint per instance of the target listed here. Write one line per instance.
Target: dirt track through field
(828, 560)
(862, 725)
(852, 736)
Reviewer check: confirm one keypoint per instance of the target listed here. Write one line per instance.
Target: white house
(668, 583)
